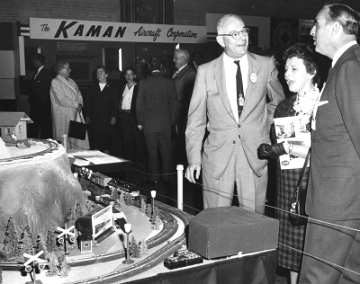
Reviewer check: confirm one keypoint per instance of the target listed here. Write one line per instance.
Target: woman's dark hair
(307, 54)
(130, 68)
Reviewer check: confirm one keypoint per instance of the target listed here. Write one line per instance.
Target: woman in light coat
(66, 105)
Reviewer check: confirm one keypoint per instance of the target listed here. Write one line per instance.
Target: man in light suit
(184, 79)
(229, 153)
(332, 249)
(156, 107)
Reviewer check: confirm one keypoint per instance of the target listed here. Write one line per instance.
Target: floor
(167, 193)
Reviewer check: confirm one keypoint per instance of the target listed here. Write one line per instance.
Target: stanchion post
(180, 186)
(65, 141)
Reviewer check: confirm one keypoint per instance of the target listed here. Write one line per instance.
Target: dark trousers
(326, 245)
(42, 126)
(155, 142)
(132, 138)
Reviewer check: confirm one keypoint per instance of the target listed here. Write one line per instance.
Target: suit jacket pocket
(336, 186)
(326, 105)
(337, 172)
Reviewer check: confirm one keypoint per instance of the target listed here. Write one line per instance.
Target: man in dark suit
(196, 60)
(332, 242)
(39, 100)
(132, 137)
(237, 108)
(184, 78)
(156, 107)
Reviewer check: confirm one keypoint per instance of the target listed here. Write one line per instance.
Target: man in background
(184, 78)
(39, 100)
(132, 137)
(156, 108)
(234, 97)
(196, 60)
(332, 240)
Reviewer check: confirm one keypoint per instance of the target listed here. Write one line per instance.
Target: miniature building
(14, 123)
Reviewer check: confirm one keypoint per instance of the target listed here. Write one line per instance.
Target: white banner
(61, 29)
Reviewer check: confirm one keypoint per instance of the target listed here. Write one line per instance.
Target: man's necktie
(239, 88)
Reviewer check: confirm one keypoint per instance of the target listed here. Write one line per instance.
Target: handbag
(297, 213)
(78, 127)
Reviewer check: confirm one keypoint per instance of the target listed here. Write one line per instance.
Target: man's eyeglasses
(236, 34)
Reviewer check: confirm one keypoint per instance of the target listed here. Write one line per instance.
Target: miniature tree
(128, 199)
(88, 205)
(132, 246)
(142, 206)
(26, 244)
(70, 218)
(114, 194)
(40, 245)
(78, 211)
(137, 252)
(157, 222)
(7, 239)
(12, 239)
(53, 263)
(122, 198)
(144, 248)
(148, 210)
(64, 267)
(152, 218)
(156, 211)
(51, 242)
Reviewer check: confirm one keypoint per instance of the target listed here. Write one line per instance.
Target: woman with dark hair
(302, 77)
(66, 105)
(101, 111)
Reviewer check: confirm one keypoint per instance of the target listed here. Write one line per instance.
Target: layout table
(121, 166)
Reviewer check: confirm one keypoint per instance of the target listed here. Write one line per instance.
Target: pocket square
(323, 103)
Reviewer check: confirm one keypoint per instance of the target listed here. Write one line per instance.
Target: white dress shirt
(127, 97)
(230, 77)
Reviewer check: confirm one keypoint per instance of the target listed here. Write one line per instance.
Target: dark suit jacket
(184, 83)
(334, 186)
(40, 93)
(156, 103)
(133, 100)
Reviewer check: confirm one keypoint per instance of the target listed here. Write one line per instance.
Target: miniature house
(13, 123)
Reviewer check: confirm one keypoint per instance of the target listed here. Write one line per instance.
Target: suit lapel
(219, 74)
(253, 67)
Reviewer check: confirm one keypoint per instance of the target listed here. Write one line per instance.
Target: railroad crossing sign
(34, 258)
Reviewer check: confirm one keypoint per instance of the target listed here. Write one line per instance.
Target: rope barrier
(286, 211)
(266, 205)
(317, 258)
(65, 141)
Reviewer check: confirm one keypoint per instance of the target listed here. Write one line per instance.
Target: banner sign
(61, 29)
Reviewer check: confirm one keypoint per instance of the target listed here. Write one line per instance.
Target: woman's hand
(266, 151)
(79, 108)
